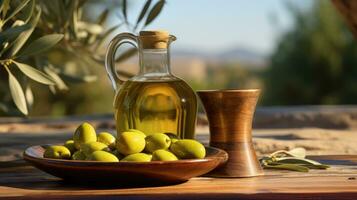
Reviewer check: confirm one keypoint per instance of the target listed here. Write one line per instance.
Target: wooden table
(18, 180)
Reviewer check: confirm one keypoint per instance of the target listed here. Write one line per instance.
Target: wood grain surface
(18, 180)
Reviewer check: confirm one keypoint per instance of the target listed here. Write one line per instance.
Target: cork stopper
(154, 39)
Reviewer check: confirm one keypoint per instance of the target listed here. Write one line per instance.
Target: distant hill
(245, 56)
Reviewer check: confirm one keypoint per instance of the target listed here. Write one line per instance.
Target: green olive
(157, 141)
(102, 156)
(117, 154)
(89, 148)
(106, 138)
(172, 135)
(70, 145)
(137, 157)
(163, 155)
(57, 152)
(130, 143)
(137, 131)
(173, 140)
(188, 149)
(85, 133)
(78, 155)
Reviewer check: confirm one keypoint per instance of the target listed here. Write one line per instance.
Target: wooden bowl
(126, 173)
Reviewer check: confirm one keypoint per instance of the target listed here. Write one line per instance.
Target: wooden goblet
(230, 115)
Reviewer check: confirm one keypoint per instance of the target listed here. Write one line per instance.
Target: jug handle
(114, 44)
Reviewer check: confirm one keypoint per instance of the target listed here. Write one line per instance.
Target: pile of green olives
(131, 146)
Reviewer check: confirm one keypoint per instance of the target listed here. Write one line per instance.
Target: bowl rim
(220, 154)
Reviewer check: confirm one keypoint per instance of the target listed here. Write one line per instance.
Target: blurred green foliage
(60, 44)
(315, 62)
(228, 76)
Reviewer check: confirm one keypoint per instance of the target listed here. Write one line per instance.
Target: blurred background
(297, 52)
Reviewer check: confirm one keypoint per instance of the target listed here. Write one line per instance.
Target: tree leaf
(73, 23)
(70, 10)
(17, 9)
(105, 35)
(28, 12)
(81, 3)
(3, 107)
(21, 40)
(292, 160)
(103, 17)
(298, 152)
(35, 74)
(62, 11)
(29, 96)
(124, 7)
(78, 79)
(143, 11)
(288, 167)
(59, 82)
(321, 166)
(17, 93)
(90, 27)
(155, 11)
(4, 7)
(41, 44)
(13, 32)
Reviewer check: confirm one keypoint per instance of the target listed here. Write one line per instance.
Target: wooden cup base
(242, 161)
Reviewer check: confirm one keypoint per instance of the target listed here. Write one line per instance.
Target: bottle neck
(154, 62)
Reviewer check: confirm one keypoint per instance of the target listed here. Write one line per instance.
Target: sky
(218, 25)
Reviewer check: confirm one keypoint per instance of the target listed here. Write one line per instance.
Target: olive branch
(53, 43)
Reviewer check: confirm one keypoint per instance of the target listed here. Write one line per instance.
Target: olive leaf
(4, 7)
(18, 9)
(143, 12)
(21, 44)
(41, 44)
(296, 152)
(59, 4)
(290, 160)
(124, 7)
(101, 40)
(82, 2)
(3, 107)
(29, 96)
(103, 17)
(27, 12)
(34, 74)
(57, 79)
(17, 93)
(21, 40)
(73, 24)
(320, 166)
(78, 79)
(294, 160)
(288, 167)
(13, 32)
(155, 11)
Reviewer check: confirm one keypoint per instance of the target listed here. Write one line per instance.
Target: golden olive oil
(156, 107)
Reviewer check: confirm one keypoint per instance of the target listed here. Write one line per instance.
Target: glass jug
(153, 101)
